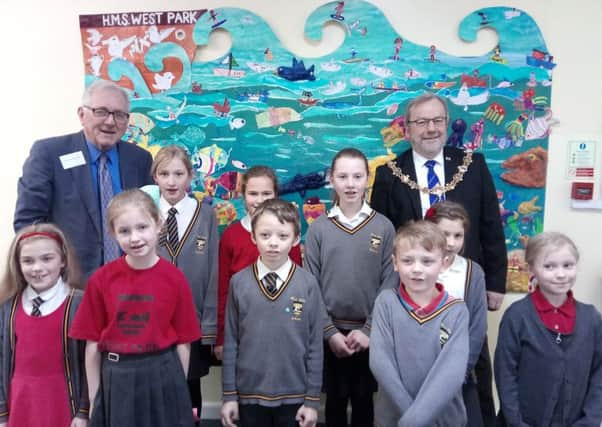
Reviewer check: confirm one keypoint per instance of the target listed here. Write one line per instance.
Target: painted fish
(210, 159)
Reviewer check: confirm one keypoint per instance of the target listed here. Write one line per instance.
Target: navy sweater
(540, 379)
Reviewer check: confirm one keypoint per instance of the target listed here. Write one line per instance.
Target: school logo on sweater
(200, 244)
(444, 334)
(375, 242)
(296, 308)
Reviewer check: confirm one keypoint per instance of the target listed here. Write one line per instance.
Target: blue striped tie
(105, 190)
(433, 181)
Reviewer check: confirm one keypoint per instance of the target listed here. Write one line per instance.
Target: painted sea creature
(495, 112)
(301, 183)
(277, 116)
(395, 132)
(476, 135)
(540, 127)
(210, 159)
(529, 207)
(312, 209)
(456, 139)
(296, 72)
(516, 129)
(238, 164)
(527, 169)
(236, 123)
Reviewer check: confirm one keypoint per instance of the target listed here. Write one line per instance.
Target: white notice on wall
(581, 159)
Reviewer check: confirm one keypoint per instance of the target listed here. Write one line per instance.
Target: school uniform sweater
(196, 257)
(237, 251)
(273, 344)
(352, 267)
(73, 354)
(475, 297)
(541, 375)
(419, 363)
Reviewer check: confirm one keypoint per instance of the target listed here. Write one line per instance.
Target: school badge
(297, 307)
(200, 244)
(375, 242)
(444, 334)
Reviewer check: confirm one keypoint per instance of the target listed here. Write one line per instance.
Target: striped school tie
(36, 303)
(172, 229)
(105, 193)
(269, 281)
(433, 181)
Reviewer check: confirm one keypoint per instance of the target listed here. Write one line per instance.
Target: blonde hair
(169, 153)
(421, 233)
(14, 282)
(128, 199)
(543, 243)
(284, 211)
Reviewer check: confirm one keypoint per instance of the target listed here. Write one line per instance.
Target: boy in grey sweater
(419, 340)
(272, 364)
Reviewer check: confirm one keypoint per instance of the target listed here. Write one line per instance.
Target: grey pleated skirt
(147, 390)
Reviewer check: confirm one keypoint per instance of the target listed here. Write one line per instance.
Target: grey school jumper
(196, 256)
(419, 363)
(273, 344)
(352, 267)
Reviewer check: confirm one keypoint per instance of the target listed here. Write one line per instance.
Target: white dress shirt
(282, 272)
(246, 222)
(364, 212)
(422, 173)
(185, 208)
(53, 298)
(454, 278)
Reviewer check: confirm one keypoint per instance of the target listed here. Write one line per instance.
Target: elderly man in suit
(406, 187)
(69, 179)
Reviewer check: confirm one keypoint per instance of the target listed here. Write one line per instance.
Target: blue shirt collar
(95, 153)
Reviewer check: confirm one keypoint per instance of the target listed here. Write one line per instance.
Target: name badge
(72, 160)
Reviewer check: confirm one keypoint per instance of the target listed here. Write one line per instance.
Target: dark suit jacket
(49, 193)
(485, 242)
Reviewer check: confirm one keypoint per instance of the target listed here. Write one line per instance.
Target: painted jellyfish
(495, 112)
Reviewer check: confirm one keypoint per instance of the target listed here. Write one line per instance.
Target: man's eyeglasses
(422, 123)
(120, 117)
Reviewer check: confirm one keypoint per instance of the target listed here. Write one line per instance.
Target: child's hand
(229, 414)
(306, 417)
(338, 345)
(218, 351)
(358, 341)
(76, 422)
(494, 300)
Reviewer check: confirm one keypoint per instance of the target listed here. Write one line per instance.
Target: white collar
(364, 211)
(30, 294)
(165, 206)
(246, 222)
(282, 271)
(420, 160)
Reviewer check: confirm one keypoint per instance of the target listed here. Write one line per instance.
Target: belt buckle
(113, 357)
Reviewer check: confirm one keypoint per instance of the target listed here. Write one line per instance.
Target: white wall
(42, 78)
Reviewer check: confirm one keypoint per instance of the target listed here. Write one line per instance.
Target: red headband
(48, 234)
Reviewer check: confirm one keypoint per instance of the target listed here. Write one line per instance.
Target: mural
(262, 104)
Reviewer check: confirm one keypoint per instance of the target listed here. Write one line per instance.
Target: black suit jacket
(485, 242)
(49, 193)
